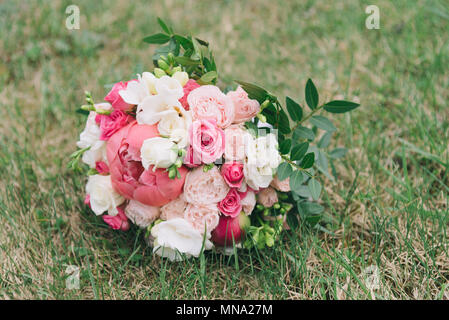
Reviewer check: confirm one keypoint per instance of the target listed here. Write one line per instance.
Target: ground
(388, 207)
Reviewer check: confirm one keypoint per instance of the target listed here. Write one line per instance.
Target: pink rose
(245, 108)
(267, 197)
(129, 178)
(189, 86)
(192, 159)
(205, 187)
(110, 124)
(208, 102)
(235, 138)
(115, 99)
(141, 214)
(202, 216)
(231, 206)
(249, 202)
(87, 200)
(283, 186)
(102, 167)
(117, 222)
(174, 209)
(233, 174)
(207, 140)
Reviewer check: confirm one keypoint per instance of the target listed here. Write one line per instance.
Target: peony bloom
(115, 99)
(141, 214)
(102, 196)
(235, 140)
(248, 202)
(205, 187)
(110, 124)
(267, 197)
(117, 222)
(129, 178)
(231, 205)
(233, 174)
(188, 87)
(158, 152)
(174, 209)
(202, 217)
(176, 237)
(102, 167)
(245, 108)
(208, 102)
(90, 138)
(283, 186)
(207, 140)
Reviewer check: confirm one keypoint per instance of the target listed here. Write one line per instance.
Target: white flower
(90, 138)
(102, 195)
(176, 237)
(170, 88)
(258, 177)
(181, 76)
(141, 214)
(157, 151)
(176, 126)
(154, 108)
(137, 90)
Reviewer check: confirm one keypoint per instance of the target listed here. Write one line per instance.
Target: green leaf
(296, 180)
(338, 153)
(325, 140)
(299, 151)
(314, 188)
(303, 133)
(284, 123)
(340, 106)
(292, 220)
(158, 38)
(304, 191)
(323, 123)
(185, 42)
(254, 91)
(308, 161)
(284, 171)
(208, 77)
(185, 61)
(164, 26)
(294, 109)
(313, 219)
(284, 146)
(311, 208)
(311, 94)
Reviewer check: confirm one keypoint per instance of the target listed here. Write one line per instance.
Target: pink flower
(235, 138)
(118, 222)
(233, 174)
(267, 197)
(141, 214)
(174, 209)
(208, 102)
(207, 140)
(205, 187)
(248, 202)
(114, 98)
(101, 167)
(87, 200)
(202, 216)
(129, 178)
(192, 159)
(231, 205)
(110, 124)
(283, 186)
(189, 86)
(245, 108)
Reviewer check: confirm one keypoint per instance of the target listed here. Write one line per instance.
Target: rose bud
(230, 230)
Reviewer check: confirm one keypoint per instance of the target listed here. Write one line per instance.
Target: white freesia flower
(158, 151)
(154, 108)
(175, 237)
(181, 76)
(170, 88)
(137, 90)
(102, 195)
(176, 126)
(90, 138)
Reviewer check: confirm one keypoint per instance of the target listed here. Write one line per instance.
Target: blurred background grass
(390, 202)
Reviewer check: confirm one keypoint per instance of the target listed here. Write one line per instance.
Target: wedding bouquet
(197, 166)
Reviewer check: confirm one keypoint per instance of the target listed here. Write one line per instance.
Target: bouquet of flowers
(197, 167)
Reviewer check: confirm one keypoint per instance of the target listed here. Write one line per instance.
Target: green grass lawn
(388, 209)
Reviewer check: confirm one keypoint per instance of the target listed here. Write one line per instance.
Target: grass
(389, 204)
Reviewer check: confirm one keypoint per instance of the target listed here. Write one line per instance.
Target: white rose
(263, 151)
(176, 126)
(141, 214)
(258, 177)
(175, 237)
(154, 108)
(157, 151)
(90, 138)
(102, 196)
(181, 76)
